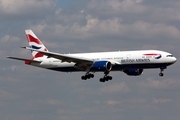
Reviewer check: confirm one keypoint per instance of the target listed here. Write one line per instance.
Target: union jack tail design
(35, 43)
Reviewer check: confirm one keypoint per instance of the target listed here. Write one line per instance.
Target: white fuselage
(121, 60)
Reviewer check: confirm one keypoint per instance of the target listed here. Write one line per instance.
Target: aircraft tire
(161, 74)
(83, 78)
(110, 78)
(88, 76)
(101, 80)
(106, 78)
(91, 75)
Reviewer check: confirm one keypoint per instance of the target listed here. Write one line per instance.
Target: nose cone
(174, 60)
(171, 60)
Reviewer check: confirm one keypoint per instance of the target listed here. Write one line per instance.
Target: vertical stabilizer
(35, 43)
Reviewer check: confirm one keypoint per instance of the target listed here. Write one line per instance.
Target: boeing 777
(130, 62)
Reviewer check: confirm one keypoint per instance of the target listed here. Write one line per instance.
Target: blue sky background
(74, 26)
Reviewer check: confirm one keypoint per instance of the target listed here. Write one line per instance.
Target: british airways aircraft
(130, 62)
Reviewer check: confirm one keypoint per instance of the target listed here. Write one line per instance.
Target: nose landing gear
(162, 69)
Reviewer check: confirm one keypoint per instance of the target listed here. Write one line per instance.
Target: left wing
(64, 58)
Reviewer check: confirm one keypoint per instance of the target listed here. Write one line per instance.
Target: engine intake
(102, 66)
(133, 72)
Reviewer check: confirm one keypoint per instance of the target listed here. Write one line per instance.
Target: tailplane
(35, 43)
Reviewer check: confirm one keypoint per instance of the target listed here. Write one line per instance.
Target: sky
(75, 26)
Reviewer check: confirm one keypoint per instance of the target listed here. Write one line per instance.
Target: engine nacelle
(133, 72)
(102, 66)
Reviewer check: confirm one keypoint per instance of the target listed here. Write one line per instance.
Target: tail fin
(35, 43)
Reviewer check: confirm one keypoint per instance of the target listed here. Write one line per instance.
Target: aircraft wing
(22, 59)
(64, 58)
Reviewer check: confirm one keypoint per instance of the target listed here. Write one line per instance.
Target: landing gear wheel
(101, 80)
(83, 78)
(92, 76)
(105, 78)
(87, 76)
(110, 78)
(161, 74)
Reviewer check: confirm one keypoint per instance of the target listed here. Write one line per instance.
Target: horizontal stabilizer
(24, 47)
(22, 59)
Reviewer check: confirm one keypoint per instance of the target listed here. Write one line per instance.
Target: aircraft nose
(175, 59)
(171, 60)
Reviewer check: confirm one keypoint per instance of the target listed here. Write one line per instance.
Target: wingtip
(9, 57)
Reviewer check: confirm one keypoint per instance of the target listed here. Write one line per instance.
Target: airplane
(130, 62)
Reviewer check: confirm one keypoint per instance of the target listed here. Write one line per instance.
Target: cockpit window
(169, 56)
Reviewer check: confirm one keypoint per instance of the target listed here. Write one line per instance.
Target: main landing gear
(162, 69)
(87, 76)
(106, 77)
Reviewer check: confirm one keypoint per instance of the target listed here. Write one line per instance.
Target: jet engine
(133, 72)
(102, 66)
